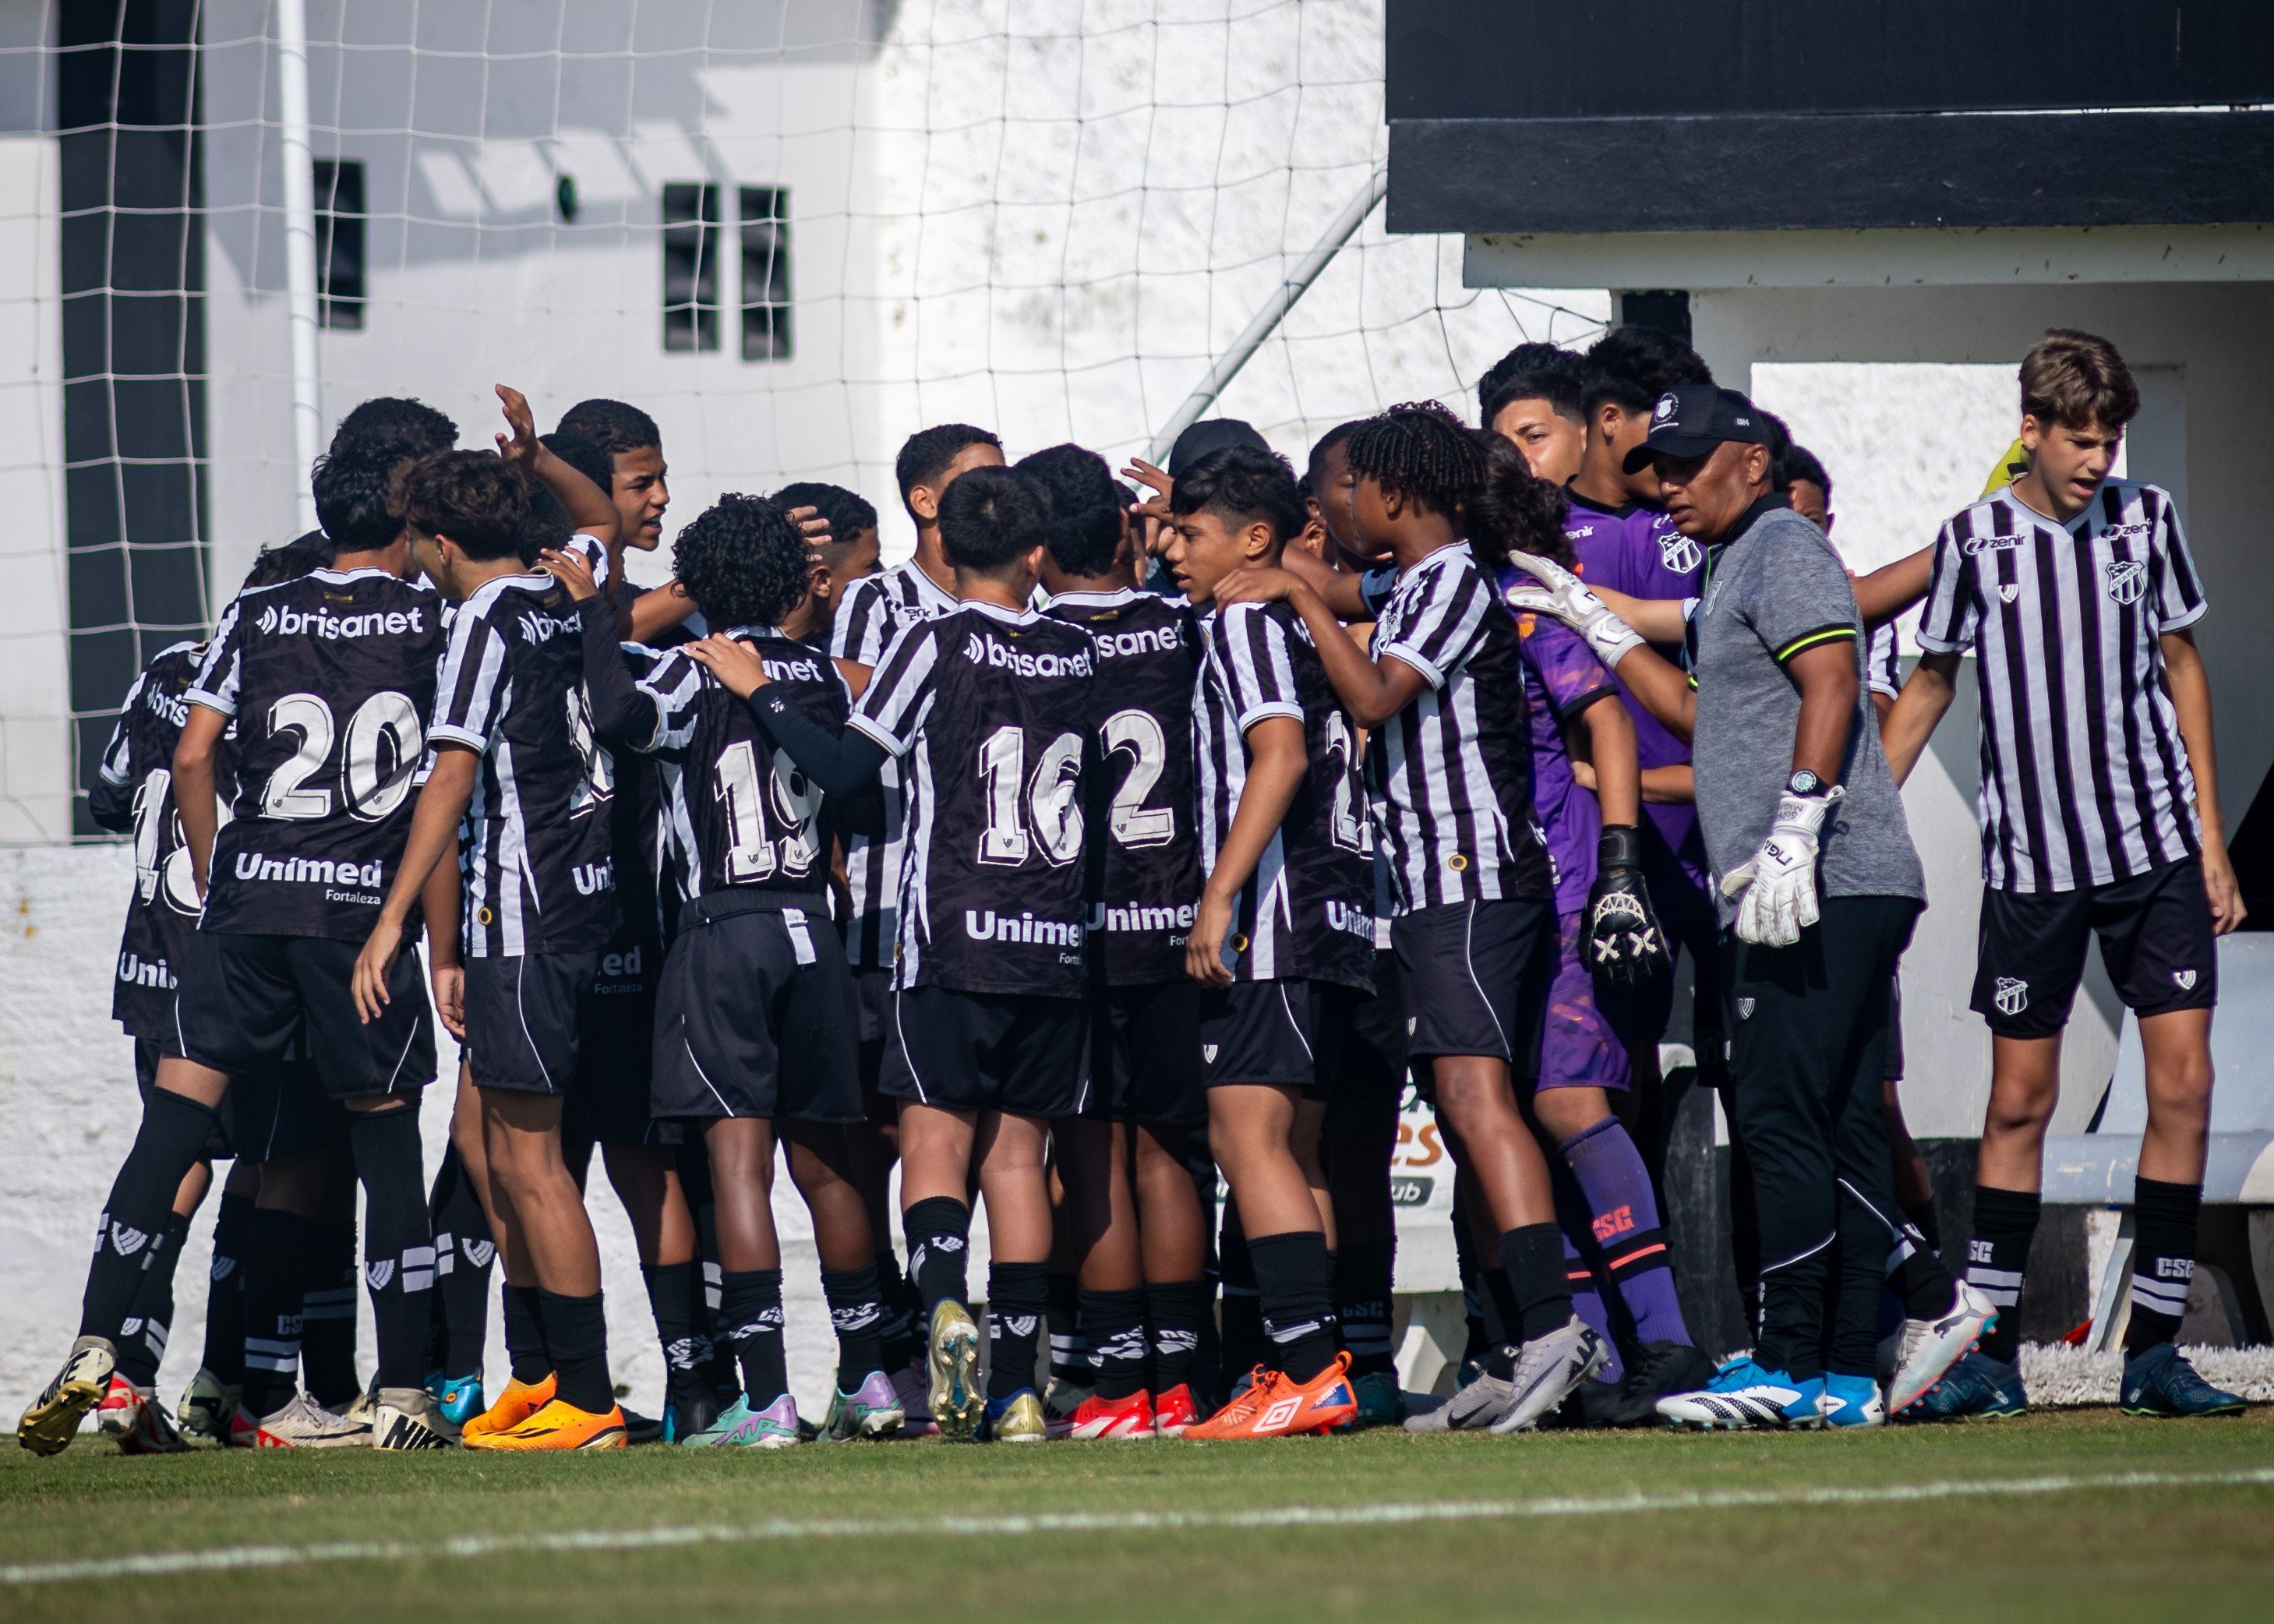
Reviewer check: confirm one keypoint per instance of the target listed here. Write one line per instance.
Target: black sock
(132, 1229)
(1017, 1295)
(1294, 1285)
(902, 1304)
(398, 1240)
(2162, 1260)
(1071, 1359)
(750, 1323)
(143, 1334)
(327, 1337)
(1244, 1346)
(2004, 1223)
(856, 1312)
(938, 1230)
(1116, 1322)
(277, 1246)
(1478, 1344)
(1364, 1274)
(1537, 1278)
(1177, 1309)
(224, 1354)
(524, 1334)
(576, 1336)
(1503, 1321)
(465, 1252)
(686, 1353)
(1923, 1221)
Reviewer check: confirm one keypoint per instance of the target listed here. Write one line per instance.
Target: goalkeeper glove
(1622, 942)
(1779, 886)
(1563, 597)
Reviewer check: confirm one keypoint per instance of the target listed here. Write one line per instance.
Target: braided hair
(1421, 451)
(1513, 511)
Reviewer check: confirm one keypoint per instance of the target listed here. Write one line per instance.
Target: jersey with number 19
(330, 679)
(990, 710)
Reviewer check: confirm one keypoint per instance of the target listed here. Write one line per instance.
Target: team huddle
(1118, 840)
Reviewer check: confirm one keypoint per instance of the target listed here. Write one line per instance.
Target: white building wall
(35, 745)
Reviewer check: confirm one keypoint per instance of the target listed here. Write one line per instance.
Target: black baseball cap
(1691, 421)
(1211, 434)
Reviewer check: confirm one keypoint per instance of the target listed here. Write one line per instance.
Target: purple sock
(1624, 1214)
(1587, 1302)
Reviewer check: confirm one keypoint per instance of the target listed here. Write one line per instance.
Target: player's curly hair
(1421, 451)
(742, 562)
(1512, 511)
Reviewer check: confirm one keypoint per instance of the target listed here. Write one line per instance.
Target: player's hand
(1583, 774)
(1779, 886)
(1621, 941)
(369, 981)
(519, 443)
(1203, 955)
(1153, 480)
(1562, 596)
(2224, 891)
(737, 665)
(450, 982)
(572, 570)
(1251, 585)
(810, 525)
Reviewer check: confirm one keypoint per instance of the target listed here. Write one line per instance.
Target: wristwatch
(1803, 783)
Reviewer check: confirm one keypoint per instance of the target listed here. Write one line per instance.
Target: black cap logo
(1665, 407)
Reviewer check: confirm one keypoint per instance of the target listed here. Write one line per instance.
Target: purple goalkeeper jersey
(1562, 677)
(1636, 550)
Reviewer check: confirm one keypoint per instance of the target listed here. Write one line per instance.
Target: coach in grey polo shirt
(1820, 886)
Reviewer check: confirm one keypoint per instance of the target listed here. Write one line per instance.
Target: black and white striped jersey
(1144, 851)
(2085, 778)
(736, 812)
(990, 708)
(877, 609)
(538, 871)
(1451, 775)
(330, 679)
(1307, 910)
(162, 910)
(1883, 662)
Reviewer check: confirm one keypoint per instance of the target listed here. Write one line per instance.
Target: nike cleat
(558, 1425)
(1017, 1419)
(1852, 1401)
(1658, 1369)
(207, 1406)
(154, 1433)
(300, 1423)
(1475, 1405)
(2161, 1382)
(952, 1363)
(1276, 1405)
(520, 1400)
(1111, 1417)
(410, 1419)
(363, 1408)
(1174, 1412)
(912, 1386)
(1548, 1370)
(1925, 1348)
(1380, 1402)
(870, 1410)
(740, 1427)
(459, 1398)
(52, 1421)
(1742, 1395)
(120, 1404)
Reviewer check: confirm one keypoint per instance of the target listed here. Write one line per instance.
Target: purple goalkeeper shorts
(1579, 1046)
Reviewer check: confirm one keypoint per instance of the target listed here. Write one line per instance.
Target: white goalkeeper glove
(1562, 596)
(1778, 884)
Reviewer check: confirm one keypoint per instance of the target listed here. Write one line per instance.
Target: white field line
(227, 1558)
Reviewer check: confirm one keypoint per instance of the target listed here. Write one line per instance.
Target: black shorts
(1474, 976)
(978, 1051)
(220, 1141)
(615, 1041)
(1286, 1033)
(754, 1019)
(1145, 1054)
(2156, 939)
(521, 1019)
(873, 1004)
(1375, 1060)
(247, 1002)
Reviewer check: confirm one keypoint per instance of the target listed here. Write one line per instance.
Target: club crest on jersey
(1678, 553)
(2127, 579)
(2011, 995)
(2184, 980)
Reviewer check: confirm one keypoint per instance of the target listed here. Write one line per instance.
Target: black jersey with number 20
(990, 708)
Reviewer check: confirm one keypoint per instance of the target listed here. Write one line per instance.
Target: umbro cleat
(1277, 1406)
(912, 1386)
(1548, 1370)
(1656, 1370)
(870, 1410)
(1174, 1412)
(300, 1423)
(1017, 1419)
(740, 1427)
(1742, 1395)
(520, 1400)
(52, 1420)
(1380, 1402)
(410, 1419)
(2161, 1382)
(114, 1415)
(1976, 1386)
(1060, 1400)
(459, 1398)
(153, 1432)
(1852, 1401)
(1925, 1348)
(207, 1406)
(952, 1359)
(558, 1425)
(1111, 1417)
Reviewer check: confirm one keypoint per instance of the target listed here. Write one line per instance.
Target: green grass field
(1909, 1522)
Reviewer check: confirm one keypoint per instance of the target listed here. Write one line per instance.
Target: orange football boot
(1277, 1406)
(520, 1400)
(558, 1425)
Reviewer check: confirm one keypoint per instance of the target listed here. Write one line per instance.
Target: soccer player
(1535, 397)
(2100, 816)
(1136, 1218)
(849, 553)
(989, 705)
(638, 488)
(515, 758)
(751, 1036)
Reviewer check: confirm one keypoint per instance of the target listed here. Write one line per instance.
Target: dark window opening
(765, 274)
(339, 242)
(691, 265)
